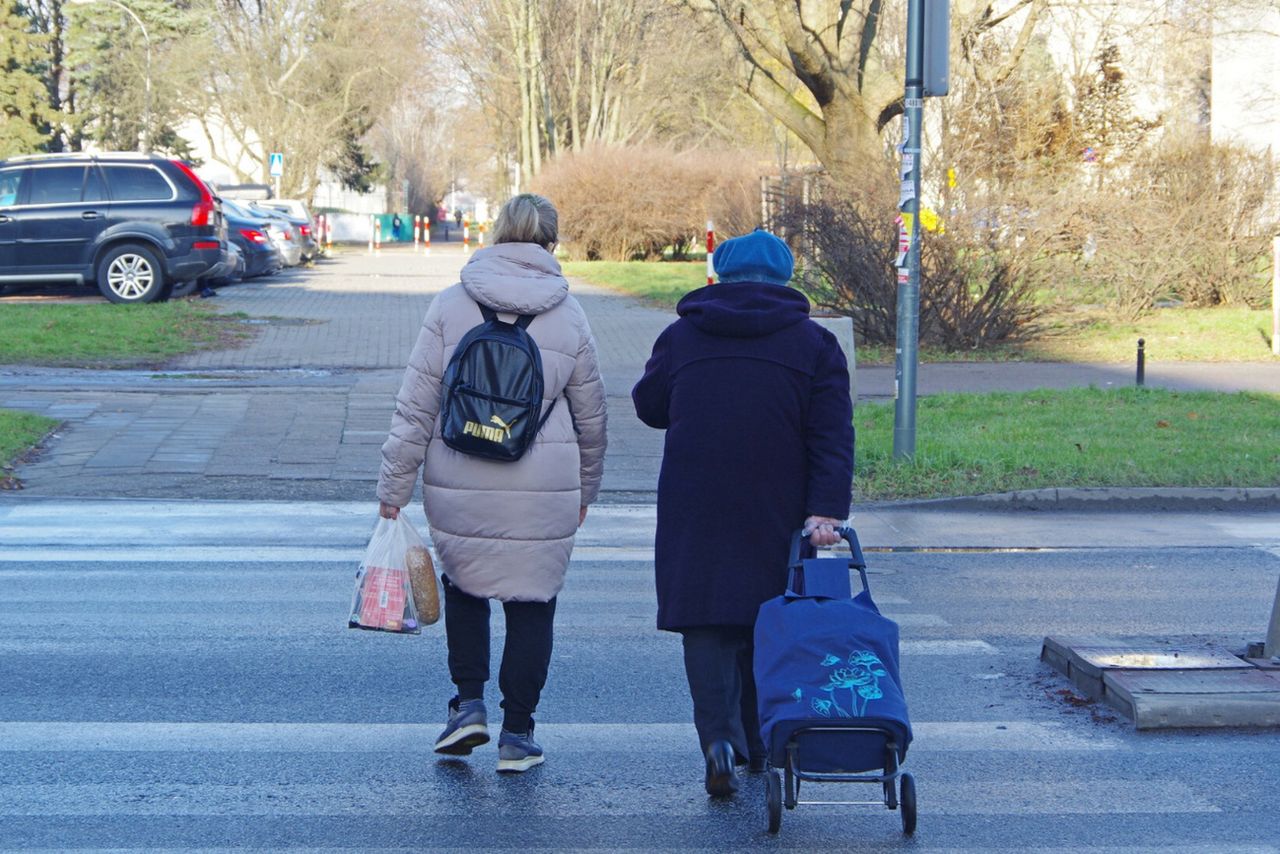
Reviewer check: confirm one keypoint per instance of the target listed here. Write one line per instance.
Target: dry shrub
(1188, 225)
(977, 285)
(628, 202)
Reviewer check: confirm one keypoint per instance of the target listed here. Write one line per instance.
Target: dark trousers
(717, 662)
(525, 655)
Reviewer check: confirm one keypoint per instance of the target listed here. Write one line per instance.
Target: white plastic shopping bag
(395, 561)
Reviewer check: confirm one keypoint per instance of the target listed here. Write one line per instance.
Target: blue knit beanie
(755, 257)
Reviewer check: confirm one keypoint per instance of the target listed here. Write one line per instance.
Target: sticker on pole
(275, 164)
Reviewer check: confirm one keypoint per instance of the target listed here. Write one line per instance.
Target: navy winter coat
(754, 397)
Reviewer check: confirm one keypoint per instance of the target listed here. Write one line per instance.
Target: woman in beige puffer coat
(502, 530)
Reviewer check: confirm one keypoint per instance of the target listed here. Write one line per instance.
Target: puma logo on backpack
(494, 378)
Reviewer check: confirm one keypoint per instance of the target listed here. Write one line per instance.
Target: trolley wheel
(908, 798)
(773, 800)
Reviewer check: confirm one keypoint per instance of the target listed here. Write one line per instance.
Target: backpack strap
(543, 420)
(524, 320)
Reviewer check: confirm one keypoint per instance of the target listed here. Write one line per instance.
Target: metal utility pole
(928, 40)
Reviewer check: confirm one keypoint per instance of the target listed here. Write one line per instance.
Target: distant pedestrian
(502, 530)
(396, 223)
(754, 397)
(457, 217)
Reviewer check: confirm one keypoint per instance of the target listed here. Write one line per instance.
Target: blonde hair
(527, 218)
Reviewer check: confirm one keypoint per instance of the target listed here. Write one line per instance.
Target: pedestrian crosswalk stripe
(946, 647)
(107, 553)
(428, 796)
(61, 736)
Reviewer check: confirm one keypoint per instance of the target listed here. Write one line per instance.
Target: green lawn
(1172, 334)
(1066, 335)
(660, 283)
(110, 335)
(19, 431)
(970, 444)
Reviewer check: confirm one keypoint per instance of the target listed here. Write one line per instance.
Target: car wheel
(131, 273)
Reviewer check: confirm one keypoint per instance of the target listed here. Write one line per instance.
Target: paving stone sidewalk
(301, 411)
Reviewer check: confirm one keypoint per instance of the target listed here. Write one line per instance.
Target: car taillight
(253, 234)
(288, 234)
(202, 213)
(207, 244)
(305, 229)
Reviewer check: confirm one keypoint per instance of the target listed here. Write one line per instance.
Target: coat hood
(741, 310)
(522, 278)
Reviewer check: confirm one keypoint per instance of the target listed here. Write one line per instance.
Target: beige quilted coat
(503, 530)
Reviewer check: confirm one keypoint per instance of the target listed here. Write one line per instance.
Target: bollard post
(480, 235)
(417, 231)
(1271, 648)
(711, 248)
(377, 233)
(466, 234)
(426, 234)
(1142, 363)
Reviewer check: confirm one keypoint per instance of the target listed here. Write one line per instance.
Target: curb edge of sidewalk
(1124, 498)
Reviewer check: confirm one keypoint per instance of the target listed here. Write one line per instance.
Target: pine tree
(1106, 123)
(23, 97)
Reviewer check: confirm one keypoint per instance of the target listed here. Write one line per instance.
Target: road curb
(1123, 498)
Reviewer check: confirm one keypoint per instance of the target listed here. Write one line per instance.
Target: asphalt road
(219, 702)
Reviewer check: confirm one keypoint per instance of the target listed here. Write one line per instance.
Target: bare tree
(307, 77)
(563, 75)
(831, 70)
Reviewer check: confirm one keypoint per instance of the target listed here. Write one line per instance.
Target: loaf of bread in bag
(422, 577)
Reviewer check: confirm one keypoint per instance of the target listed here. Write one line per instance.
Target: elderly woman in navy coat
(754, 397)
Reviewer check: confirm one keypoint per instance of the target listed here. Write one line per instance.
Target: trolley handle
(801, 548)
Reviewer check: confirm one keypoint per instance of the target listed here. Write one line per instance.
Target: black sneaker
(205, 293)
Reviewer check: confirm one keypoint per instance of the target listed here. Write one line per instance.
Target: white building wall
(1246, 79)
(224, 155)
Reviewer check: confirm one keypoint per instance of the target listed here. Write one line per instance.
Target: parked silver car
(283, 234)
(298, 215)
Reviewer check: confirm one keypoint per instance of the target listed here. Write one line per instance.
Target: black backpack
(493, 390)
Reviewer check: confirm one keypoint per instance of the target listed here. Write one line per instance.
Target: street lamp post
(144, 136)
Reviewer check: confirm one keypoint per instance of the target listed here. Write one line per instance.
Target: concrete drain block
(1161, 686)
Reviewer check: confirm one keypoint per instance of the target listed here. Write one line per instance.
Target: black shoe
(205, 293)
(722, 778)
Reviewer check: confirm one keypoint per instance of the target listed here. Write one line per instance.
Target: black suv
(134, 224)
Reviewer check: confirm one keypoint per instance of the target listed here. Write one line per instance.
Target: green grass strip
(660, 283)
(19, 431)
(107, 335)
(970, 444)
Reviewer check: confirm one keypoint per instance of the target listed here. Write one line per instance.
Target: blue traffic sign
(275, 164)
